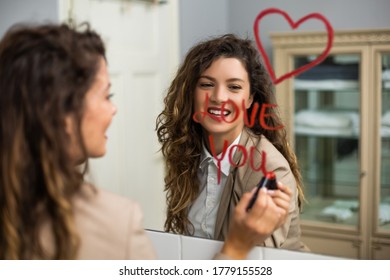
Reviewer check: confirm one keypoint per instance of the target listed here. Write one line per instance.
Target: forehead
(229, 66)
(101, 82)
(102, 73)
(102, 77)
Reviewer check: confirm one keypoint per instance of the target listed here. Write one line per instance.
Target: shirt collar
(207, 158)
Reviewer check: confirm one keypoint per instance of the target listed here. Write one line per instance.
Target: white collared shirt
(203, 212)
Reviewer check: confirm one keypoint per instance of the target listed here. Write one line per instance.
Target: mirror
(145, 44)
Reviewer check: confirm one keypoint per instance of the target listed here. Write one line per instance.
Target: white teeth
(218, 112)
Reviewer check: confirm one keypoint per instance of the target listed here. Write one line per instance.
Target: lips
(218, 112)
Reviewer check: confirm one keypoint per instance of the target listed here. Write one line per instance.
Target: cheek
(247, 99)
(199, 100)
(91, 122)
(237, 103)
(86, 126)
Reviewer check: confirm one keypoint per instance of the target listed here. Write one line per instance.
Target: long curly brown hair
(45, 72)
(181, 138)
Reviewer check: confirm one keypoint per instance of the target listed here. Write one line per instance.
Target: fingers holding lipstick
(282, 198)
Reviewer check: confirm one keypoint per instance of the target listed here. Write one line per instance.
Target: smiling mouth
(218, 112)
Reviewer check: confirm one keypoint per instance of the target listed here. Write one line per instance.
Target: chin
(215, 129)
(96, 153)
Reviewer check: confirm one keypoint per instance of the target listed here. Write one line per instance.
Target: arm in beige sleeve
(139, 246)
(250, 227)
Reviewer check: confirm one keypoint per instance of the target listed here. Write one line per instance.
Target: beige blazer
(110, 227)
(243, 179)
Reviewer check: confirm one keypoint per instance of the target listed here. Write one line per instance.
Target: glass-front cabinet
(382, 154)
(338, 119)
(327, 137)
(384, 202)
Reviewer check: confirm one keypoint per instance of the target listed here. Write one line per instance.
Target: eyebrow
(228, 80)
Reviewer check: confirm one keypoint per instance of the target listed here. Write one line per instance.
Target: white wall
(342, 14)
(14, 11)
(202, 18)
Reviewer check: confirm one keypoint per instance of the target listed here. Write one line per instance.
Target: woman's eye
(206, 84)
(235, 87)
(109, 96)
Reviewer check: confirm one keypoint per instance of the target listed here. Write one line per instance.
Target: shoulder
(101, 200)
(262, 146)
(262, 151)
(107, 224)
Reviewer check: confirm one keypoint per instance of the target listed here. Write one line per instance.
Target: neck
(217, 143)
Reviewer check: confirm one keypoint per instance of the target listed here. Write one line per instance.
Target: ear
(250, 101)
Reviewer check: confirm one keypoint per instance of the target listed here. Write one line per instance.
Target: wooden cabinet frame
(365, 241)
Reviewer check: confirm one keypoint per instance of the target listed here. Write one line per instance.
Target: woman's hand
(250, 228)
(282, 198)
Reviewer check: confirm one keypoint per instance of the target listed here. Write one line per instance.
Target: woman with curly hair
(55, 109)
(213, 142)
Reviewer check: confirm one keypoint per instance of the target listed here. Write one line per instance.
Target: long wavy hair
(45, 72)
(181, 138)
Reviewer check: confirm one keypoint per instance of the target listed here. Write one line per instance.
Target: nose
(114, 110)
(218, 95)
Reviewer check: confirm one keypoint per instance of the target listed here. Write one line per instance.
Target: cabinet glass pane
(384, 206)
(327, 114)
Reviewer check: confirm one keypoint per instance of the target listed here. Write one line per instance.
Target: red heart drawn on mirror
(293, 25)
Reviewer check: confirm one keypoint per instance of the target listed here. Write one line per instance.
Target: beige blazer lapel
(237, 183)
